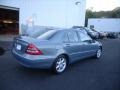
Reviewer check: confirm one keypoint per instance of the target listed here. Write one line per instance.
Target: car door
(87, 46)
(71, 45)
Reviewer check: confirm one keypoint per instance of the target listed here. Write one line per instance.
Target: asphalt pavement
(87, 74)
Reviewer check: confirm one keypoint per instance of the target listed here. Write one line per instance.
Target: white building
(53, 13)
(105, 24)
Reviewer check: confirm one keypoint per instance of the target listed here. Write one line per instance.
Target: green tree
(89, 14)
(116, 13)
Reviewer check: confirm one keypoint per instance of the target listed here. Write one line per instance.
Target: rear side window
(48, 35)
(72, 35)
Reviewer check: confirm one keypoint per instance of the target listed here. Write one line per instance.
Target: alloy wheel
(99, 52)
(60, 64)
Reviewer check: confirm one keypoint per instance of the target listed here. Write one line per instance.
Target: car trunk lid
(21, 43)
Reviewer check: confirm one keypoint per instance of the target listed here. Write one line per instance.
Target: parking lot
(87, 74)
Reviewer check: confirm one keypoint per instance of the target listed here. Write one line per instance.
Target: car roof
(65, 30)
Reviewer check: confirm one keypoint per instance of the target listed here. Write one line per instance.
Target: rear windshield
(47, 35)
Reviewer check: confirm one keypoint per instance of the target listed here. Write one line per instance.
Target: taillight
(33, 50)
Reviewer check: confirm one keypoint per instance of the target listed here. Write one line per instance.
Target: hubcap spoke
(57, 66)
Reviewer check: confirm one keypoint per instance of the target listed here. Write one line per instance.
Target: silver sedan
(55, 49)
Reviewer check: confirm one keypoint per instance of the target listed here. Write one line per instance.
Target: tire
(98, 53)
(60, 64)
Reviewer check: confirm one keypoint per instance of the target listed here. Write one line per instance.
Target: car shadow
(84, 62)
(33, 71)
(2, 51)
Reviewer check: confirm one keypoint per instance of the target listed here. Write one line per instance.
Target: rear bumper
(43, 63)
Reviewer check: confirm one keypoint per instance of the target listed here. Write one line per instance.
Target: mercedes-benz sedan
(55, 49)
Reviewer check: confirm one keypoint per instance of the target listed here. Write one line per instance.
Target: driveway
(88, 74)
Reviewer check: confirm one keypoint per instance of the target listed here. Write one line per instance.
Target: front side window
(84, 37)
(72, 35)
